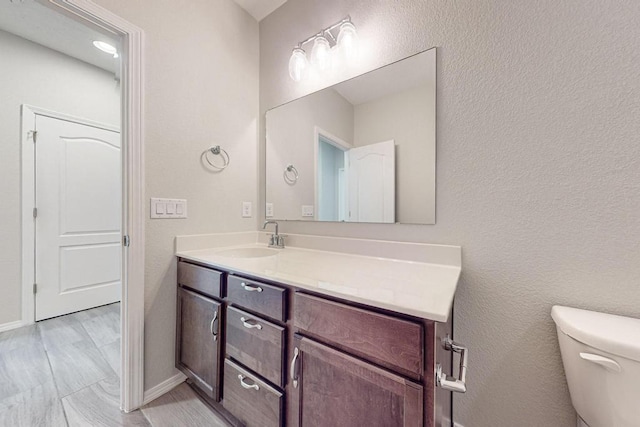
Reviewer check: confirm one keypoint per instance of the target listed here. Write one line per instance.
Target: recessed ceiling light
(106, 47)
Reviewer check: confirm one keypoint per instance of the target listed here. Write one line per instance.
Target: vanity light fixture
(325, 43)
(106, 47)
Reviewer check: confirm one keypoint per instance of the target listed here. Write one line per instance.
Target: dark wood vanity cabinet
(332, 388)
(198, 343)
(287, 357)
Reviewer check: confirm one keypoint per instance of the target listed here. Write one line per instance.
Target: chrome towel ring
(290, 175)
(217, 151)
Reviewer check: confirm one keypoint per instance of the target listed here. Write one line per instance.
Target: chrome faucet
(276, 240)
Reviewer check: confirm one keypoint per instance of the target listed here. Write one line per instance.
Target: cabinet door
(198, 341)
(335, 389)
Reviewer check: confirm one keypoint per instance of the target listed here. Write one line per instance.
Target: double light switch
(168, 208)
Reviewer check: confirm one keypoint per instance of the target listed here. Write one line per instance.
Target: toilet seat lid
(617, 335)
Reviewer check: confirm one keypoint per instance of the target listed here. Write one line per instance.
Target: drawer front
(391, 342)
(201, 279)
(255, 296)
(256, 343)
(251, 400)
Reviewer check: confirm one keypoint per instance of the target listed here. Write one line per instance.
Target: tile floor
(66, 372)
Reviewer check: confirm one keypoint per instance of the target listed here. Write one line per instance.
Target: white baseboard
(457, 425)
(11, 325)
(164, 387)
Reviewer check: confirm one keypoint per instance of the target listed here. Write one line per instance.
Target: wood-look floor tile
(20, 337)
(77, 365)
(181, 407)
(22, 369)
(95, 312)
(38, 406)
(62, 331)
(104, 328)
(98, 406)
(111, 353)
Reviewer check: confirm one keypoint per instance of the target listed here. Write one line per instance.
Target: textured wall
(38, 76)
(538, 173)
(201, 65)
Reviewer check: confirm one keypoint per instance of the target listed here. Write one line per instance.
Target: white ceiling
(260, 8)
(41, 25)
(415, 71)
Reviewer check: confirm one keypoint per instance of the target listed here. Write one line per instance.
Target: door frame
(336, 142)
(133, 206)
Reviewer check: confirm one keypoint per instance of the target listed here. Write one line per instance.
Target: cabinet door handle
(246, 324)
(245, 385)
(250, 288)
(292, 372)
(211, 326)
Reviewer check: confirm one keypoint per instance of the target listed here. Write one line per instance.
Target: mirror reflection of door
(331, 179)
(355, 184)
(372, 182)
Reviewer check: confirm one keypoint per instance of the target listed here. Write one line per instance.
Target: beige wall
(201, 70)
(407, 118)
(537, 177)
(291, 141)
(38, 76)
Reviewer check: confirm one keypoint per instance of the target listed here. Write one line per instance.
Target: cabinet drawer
(256, 343)
(391, 342)
(202, 279)
(255, 296)
(251, 400)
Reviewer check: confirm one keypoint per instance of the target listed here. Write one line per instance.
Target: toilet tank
(601, 357)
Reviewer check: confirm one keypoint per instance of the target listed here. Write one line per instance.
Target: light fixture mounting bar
(327, 30)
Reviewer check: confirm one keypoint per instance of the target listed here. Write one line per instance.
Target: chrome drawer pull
(245, 385)
(246, 324)
(452, 384)
(292, 372)
(211, 328)
(250, 288)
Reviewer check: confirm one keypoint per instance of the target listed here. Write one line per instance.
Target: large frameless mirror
(360, 151)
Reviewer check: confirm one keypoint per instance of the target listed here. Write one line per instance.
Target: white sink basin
(248, 253)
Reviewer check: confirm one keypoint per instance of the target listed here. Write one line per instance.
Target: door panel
(372, 183)
(335, 389)
(197, 341)
(79, 201)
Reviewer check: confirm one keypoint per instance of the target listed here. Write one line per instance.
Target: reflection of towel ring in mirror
(291, 175)
(217, 151)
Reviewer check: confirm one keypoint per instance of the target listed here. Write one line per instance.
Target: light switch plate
(246, 210)
(269, 210)
(307, 210)
(168, 208)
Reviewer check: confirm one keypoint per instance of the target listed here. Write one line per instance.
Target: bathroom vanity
(301, 336)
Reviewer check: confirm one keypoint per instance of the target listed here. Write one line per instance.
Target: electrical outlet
(307, 210)
(246, 209)
(269, 210)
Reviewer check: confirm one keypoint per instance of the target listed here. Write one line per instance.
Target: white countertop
(420, 289)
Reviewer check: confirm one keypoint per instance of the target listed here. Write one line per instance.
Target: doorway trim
(336, 142)
(133, 206)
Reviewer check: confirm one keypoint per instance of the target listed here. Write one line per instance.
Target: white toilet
(601, 357)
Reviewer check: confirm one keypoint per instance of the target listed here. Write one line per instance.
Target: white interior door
(372, 177)
(78, 197)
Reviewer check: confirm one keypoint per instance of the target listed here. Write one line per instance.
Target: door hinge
(35, 212)
(125, 240)
(34, 135)
(35, 288)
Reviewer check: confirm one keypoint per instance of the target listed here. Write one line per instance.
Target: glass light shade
(297, 64)
(348, 42)
(321, 54)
